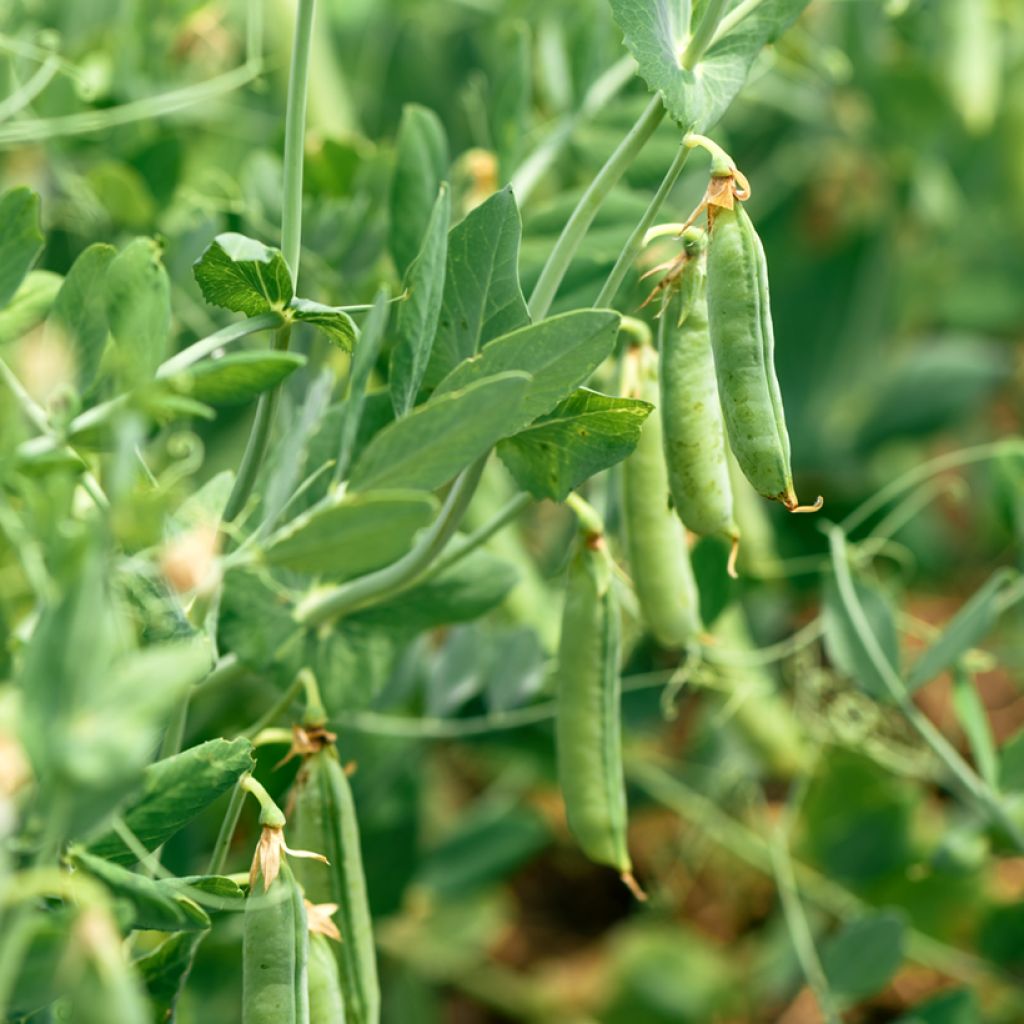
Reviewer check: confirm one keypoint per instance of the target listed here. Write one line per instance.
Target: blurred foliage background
(885, 145)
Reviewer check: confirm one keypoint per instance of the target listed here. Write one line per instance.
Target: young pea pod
(743, 342)
(275, 950)
(587, 729)
(659, 558)
(326, 1001)
(324, 819)
(694, 431)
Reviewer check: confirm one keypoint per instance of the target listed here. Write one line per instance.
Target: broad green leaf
(353, 534)
(967, 628)
(863, 956)
(959, 1007)
(154, 904)
(239, 273)
(482, 296)
(363, 362)
(165, 971)
(582, 435)
(250, 597)
(353, 663)
(844, 645)
(973, 719)
(21, 241)
(421, 164)
(332, 320)
(510, 107)
(559, 354)
(238, 377)
(174, 791)
(38, 979)
(29, 305)
(139, 308)
(80, 312)
(418, 314)
(429, 446)
(656, 36)
(469, 589)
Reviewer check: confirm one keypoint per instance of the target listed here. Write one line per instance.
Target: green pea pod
(587, 729)
(659, 558)
(694, 432)
(743, 342)
(324, 820)
(326, 1002)
(275, 952)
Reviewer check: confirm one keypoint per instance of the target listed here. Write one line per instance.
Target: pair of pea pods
(292, 976)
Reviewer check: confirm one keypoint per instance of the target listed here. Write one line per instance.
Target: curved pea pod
(326, 1002)
(275, 951)
(587, 728)
(694, 431)
(743, 343)
(659, 558)
(324, 819)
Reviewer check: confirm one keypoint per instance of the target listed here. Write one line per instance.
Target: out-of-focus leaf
(959, 1007)
(165, 970)
(861, 958)
(29, 304)
(973, 64)
(174, 790)
(559, 354)
(1001, 937)
(582, 435)
(38, 978)
(482, 296)
(426, 448)
(844, 644)
(139, 308)
(332, 320)
(154, 906)
(656, 35)
(21, 241)
(238, 377)
(421, 164)
(973, 719)
(354, 534)
(966, 629)
(418, 314)
(79, 313)
(250, 597)
(239, 273)
(353, 664)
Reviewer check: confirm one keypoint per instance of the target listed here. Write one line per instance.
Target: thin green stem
(283, 703)
(392, 579)
(271, 816)
(227, 830)
(207, 346)
(175, 735)
(635, 241)
(226, 670)
(741, 11)
(462, 547)
(704, 32)
(590, 202)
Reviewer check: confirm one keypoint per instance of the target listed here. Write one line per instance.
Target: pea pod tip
(633, 886)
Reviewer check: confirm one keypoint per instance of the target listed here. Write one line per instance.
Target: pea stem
(589, 520)
(271, 816)
(704, 33)
(227, 830)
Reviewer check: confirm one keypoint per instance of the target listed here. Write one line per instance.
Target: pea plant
(186, 629)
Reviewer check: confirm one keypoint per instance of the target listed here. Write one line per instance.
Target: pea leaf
(973, 719)
(969, 626)
(241, 274)
(173, 791)
(958, 1007)
(21, 241)
(250, 597)
(656, 35)
(482, 296)
(863, 956)
(418, 315)
(139, 308)
(38, 979)
(29, 305)
(469, 589)
(165, 970)
(154, 905)
(582, 435)
(363, 362)
(332, 320)
(80, 313)
(559, 354)
(844, 644)
(238, 377)
(421, 164)
(429, 446)
(351, 535)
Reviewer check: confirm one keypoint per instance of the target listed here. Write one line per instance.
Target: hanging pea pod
(275, 953)
(587, 728)
(743, 342)
(326, 1001)
(324, 819)
(694, 432)
(659, 558)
